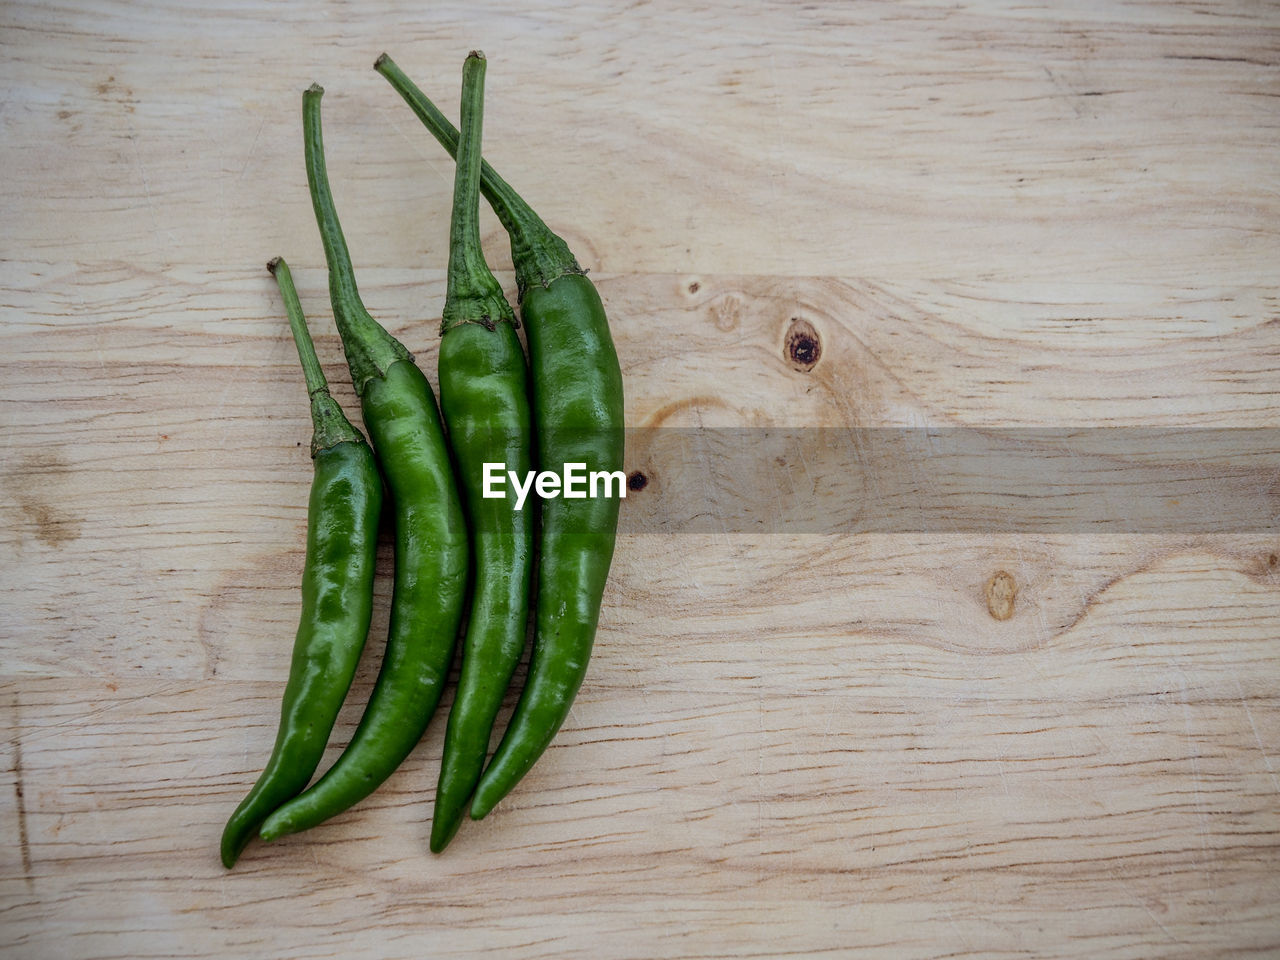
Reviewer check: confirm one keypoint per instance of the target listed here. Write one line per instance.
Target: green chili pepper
(337, 592)
(577, 405)
(484, 399)
(431, 547)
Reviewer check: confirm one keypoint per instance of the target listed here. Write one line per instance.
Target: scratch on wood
(18, 790)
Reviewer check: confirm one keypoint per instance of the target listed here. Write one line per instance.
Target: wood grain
(894, 745)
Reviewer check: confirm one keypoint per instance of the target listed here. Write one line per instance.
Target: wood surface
(788, 745)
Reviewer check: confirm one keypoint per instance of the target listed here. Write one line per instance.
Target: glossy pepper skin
(431, 544)
(578, 418)
(484, 399)
(337, 593)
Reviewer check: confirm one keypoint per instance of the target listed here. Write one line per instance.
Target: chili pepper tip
(315, 88)
(475, 55)
(272, 264)
(382, 58)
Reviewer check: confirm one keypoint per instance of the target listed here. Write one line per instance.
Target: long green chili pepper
(337, 592)
(431, 549)
(577, 404)
(484, 399)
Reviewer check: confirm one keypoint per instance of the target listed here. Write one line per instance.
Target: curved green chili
(484, 399)
(431, 547)
(577, 404)
(337, 592)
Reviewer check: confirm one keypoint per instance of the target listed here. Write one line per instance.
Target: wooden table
(789, 744)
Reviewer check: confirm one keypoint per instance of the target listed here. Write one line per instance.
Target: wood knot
(637, 481)
(803, 345)
(1001, 592)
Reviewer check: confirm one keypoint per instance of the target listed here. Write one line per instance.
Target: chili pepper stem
(539, 255)
(370, 349)
(473, 294)
(329, 426)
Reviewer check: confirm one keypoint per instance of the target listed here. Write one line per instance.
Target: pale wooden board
(788, 745)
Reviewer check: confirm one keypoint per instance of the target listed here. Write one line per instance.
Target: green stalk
(370, 349)
(330, 426)
(473, 294)
(539, 255)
